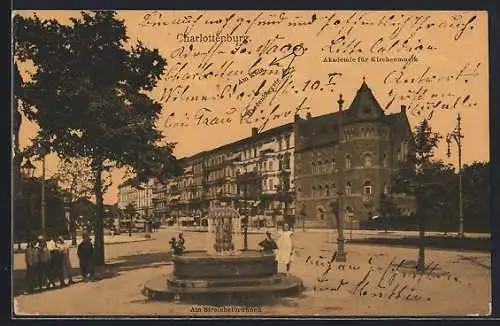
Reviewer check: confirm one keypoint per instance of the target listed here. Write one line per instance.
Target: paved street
(457, 283)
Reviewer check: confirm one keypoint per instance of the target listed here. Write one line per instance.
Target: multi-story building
(249, 174)
(373, 143)
(292, 169)
(141, 197)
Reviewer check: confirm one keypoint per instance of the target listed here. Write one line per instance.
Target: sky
(277, 63)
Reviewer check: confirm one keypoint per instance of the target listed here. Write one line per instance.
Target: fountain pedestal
(223, 269)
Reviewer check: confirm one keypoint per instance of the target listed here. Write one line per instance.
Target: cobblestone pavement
(375, 281)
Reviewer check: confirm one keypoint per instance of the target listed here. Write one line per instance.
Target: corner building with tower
(293, 170)
(372, 143)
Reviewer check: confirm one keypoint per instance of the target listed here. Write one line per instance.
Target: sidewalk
(108, 240)
(347, 233)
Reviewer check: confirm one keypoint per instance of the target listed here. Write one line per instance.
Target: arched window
(348, 188)
(348, 161)
(367, 188)
(313, 191)
(326, 166)
(367, 160)
(384, 160)
(333, 165)
(327, 191)
(319, 167)
(313, 169)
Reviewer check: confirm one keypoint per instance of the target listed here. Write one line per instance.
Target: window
(270, 165)
(384, 160)
(313, 168)
(319, 167)
(255, 152)
(386, 188)
(348, 161)
(265, 184)
(287, 162)
(280, 146)
(334, 163)
(367, 188)
(367, 160)
(271, 187)
(313, 191)
(326, 166)
(348, 188)
(287, 141)
(327, 191)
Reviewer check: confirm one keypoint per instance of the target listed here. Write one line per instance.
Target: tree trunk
(99, 223)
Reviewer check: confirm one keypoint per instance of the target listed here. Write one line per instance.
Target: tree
(89, 97)
(130, 213)
(76, 178)
(415, 176)
(418, 169)
(16, 122)
(476, 196)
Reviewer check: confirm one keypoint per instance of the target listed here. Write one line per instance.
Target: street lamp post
(29, 170)
(341, 256)
(245, 226)
(43, 204)
(457, 136)
(67, 215)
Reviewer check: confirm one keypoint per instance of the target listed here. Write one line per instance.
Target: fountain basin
(200, 265)
(247, 273)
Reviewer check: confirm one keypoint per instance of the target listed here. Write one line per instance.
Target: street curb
(22, 251)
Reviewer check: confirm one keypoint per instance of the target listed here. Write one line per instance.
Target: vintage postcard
(251, 163)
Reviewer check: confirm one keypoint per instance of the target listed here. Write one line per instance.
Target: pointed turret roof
(365, 102)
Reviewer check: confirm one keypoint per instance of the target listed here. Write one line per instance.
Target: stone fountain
(222, 269)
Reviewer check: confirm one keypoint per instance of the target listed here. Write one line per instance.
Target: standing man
(44, 268)
(32, 262)
(86, 257)
(286, 250)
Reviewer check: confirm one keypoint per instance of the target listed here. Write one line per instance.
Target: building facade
(250, 175)
(141, 197)
(292, 170)
(372, 144)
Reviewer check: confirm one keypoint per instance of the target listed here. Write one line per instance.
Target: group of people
(177, 244)
(48, 261)
(284, 249)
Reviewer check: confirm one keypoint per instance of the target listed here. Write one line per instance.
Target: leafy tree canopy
(89, 94)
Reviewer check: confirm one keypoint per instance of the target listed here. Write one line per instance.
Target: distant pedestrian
(32, 264)
(286, 250)
(66, 262)
(44, 264)
(86, 258)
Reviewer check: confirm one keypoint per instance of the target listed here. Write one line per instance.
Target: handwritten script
(376, 278)
(262, 68)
